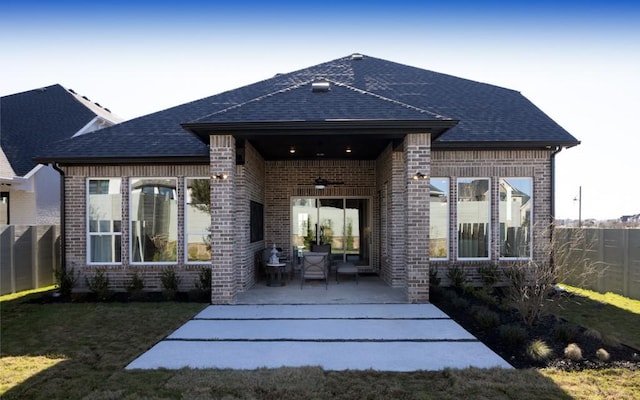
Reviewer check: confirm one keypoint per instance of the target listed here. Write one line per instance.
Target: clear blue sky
(578, 61)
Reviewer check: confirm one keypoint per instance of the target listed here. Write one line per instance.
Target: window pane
(154, 220)
(515, 217)
(105, 248)
(198, 219)
(104, 213)
(439, 218)
(303, 222)
(473, 217)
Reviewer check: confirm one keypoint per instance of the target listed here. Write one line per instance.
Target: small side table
(275, 274)
(346, 268)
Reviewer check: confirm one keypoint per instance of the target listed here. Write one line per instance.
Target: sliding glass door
(344, 223)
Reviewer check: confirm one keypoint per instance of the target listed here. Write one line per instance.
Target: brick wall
(225, 259)
(287, 179)
(417, 158)
(495, 164)
(75, 228)
(250, 178)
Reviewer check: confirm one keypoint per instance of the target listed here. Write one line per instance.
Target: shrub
(450, 294)
(538, 350)
(484, 296)
(136, 282)
(512, 334)
(433, 277)
(566, 332)
(489, 275)
(169, 279)
(99, 284)
(573, 352)
(170, 282)
(592, 333)
(603, 355)
(486, 318)
(460, 302)
(66, 280)
(457, 276)
(204, 280)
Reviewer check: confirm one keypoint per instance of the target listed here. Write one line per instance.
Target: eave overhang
(391, 128)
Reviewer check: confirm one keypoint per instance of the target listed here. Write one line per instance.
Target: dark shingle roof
(368, 88)
(30, 121)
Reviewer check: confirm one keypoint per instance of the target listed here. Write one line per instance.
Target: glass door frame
(368, 218)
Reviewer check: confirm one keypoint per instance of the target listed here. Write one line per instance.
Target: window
(154, 220)
(473, 217)
(439, 219)
(515, 217)
(257, 221)
(104, 220)
(197, 217)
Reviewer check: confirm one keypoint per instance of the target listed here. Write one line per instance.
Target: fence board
(614, 252)
(29, 256)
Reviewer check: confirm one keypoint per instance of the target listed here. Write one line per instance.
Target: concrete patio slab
(335, 356)
(319, 311)
(385, 337)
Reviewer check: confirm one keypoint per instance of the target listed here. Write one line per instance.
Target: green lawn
(615, 317)
(79, 350)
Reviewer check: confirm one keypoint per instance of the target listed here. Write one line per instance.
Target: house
(399, 169)
(30, 122)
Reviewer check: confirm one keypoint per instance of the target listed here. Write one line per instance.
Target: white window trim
(186, 224)
(489, 226)
(531, 219)
(89, 234)
(130, 205)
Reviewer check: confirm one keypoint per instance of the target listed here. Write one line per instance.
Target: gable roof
(470, 114)
(32, 120)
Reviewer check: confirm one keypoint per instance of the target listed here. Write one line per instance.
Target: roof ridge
(253, 100)
(400, 103)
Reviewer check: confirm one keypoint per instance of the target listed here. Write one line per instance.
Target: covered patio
(370, 289)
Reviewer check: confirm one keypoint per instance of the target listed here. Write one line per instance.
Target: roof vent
(357, 56)
(320, 86)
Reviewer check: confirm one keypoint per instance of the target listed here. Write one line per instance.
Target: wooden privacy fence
(29, 255)
(604, 260)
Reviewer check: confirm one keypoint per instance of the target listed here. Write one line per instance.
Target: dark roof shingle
(368, 88)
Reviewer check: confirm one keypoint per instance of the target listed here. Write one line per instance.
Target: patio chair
(324, 248)
(315, 266)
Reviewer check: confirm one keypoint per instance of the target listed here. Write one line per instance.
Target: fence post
(626, 263)
(601, 261)
(34, 256)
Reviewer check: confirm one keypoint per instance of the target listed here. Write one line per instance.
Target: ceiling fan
(320, 183)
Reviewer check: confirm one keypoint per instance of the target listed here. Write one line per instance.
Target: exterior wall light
(219, 176)
(419, 175)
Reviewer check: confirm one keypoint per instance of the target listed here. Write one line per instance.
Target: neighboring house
(400, 169)
(29, 123)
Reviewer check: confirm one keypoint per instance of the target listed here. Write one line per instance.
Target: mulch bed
(551, 330)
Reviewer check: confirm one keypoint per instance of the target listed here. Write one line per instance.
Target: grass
(79, 350)
(610, 314)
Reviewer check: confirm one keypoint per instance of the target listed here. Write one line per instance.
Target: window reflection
(473, 217)
(154, 220)
(198, 220)
(515, 217)
(439, 218)
(104, 220)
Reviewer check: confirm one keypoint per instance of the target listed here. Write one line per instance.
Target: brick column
(223, 273)
(417, 151)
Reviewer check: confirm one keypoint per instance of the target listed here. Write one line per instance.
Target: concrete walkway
(385, 337)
